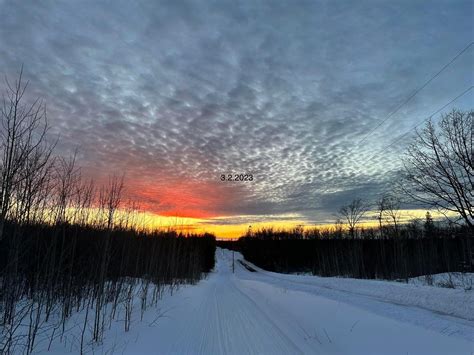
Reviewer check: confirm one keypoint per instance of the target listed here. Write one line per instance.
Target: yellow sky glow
(233, 231)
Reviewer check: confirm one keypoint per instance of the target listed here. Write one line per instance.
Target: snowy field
(267, 313)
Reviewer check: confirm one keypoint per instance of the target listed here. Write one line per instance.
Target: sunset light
(233, 177)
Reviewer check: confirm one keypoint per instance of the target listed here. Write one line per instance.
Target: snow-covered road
(265, 313)
(268, 313)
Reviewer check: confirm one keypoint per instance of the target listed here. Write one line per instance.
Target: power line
(410, 98)
(418, 124)
(416, 92)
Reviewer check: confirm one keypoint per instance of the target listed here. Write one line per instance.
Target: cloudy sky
(175, 93)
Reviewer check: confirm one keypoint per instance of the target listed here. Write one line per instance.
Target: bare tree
(389, 210)
(353, 213)
(67, 177)
(23, 146)
(110, 198)
(439, 166)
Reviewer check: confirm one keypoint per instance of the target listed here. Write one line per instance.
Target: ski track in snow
(267, 313)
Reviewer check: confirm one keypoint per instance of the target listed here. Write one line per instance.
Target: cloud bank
(176, 93)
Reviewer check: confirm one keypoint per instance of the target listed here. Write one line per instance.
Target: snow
(459, 280)
(450, 302)
(267, 313)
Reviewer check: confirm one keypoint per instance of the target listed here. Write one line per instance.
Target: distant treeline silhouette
(410, 252)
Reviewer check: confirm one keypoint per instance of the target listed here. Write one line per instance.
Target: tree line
(413, 251)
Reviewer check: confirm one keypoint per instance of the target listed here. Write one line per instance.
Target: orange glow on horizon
(234, 231)
(197, 207)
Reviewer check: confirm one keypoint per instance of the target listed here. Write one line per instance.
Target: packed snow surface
(267, 313)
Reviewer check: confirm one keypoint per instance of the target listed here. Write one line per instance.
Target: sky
(175, 93)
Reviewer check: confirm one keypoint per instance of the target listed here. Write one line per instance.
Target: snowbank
(454, 302)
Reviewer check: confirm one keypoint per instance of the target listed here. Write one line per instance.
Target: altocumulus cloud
(176, 93)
